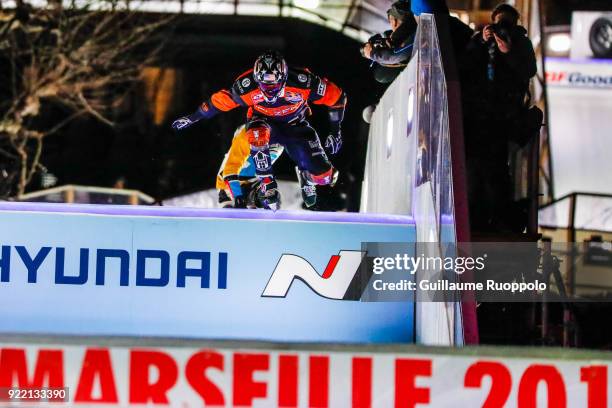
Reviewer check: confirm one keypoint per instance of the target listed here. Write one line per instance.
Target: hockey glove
(186, 121)
(182, 123)
(268, 194)
(333, 143)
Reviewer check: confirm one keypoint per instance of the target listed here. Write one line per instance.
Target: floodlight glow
(389, 138)
(559, 42)
(307, 4)
(410, 111)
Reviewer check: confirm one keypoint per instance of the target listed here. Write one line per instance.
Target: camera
(503, 30)
(377, 41)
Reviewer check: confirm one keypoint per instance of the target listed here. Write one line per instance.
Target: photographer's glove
(182, 123)
(333, 143)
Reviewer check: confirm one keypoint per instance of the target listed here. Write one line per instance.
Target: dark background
(559, 12)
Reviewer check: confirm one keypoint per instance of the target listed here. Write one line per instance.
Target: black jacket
(504, 94)
(397, 48)
(392, 52)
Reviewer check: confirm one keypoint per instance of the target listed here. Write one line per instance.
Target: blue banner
(226, 274)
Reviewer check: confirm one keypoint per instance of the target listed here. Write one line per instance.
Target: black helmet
(270, 72)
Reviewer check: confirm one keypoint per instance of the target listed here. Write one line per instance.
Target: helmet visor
(271, 90)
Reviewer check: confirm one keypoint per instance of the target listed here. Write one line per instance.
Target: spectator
(391, 50)
(498, 65)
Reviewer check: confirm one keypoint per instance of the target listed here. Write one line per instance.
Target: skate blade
(272, 206)
(310, 204)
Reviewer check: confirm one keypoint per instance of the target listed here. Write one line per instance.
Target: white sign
(580, 123)
(582, 30)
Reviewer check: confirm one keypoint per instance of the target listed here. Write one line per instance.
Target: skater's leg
(259, 134)
(313, 167)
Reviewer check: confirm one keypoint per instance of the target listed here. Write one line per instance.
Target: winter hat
(400, 10)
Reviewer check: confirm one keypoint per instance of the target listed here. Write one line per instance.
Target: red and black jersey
(292, 104)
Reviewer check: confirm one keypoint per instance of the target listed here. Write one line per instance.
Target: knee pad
(258, 133)
(328, 178)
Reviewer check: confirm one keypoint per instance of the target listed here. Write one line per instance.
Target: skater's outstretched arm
(221, 101)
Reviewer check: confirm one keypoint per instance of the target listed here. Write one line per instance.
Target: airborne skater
(277, 99)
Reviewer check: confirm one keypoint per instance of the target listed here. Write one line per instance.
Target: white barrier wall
(391, 158)
(408, 167)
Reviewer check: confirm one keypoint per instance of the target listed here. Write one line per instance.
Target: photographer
(391, 50)
(498, 65)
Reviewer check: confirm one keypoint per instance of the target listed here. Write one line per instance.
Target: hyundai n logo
(154, 267)
(342, 278)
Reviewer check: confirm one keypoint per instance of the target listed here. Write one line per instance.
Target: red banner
(188, 377)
